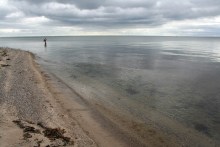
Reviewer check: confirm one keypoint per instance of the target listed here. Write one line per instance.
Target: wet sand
(39, 109)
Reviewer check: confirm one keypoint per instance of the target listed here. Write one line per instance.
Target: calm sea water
(178, 77)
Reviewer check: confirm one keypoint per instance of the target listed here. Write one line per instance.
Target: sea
(175, 77)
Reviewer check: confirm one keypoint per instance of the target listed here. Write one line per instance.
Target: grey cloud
(102, 15)
(119, 11)
(86, 4)
(5, 10)
(114, 13)
(81, 4)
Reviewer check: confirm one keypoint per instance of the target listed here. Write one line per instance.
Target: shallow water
(175, 76)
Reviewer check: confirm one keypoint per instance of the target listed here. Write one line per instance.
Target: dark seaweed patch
(31, 129)
(19, 124)
(53, 134)
(27, 135)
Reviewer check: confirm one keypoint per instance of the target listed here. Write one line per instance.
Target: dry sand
(38, 109)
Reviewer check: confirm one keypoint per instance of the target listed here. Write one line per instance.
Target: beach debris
(55, 135)
(31, 130)
(4, 57)
(30, 122)
(4, 64)
(27, 135)
(41, 125)
(38, 142)
(19, 123)
(4, 53)
(26, 129)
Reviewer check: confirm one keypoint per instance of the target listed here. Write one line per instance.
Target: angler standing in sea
(45, 42)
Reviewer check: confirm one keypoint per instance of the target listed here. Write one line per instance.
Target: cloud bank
(110, 17)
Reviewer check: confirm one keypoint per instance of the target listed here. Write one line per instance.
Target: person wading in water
(45, 42)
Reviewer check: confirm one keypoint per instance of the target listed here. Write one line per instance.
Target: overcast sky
(110, 17)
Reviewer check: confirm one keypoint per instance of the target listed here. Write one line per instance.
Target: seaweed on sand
(56, 133)
(30, 129)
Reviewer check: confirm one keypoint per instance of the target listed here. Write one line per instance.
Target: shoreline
(30, 97)
(44, 98)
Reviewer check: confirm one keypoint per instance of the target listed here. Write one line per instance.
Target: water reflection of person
(45, 42)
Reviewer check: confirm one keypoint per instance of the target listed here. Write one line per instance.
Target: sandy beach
(38, 109)
(30, 116)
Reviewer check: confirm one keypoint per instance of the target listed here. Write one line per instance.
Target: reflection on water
(178, 77)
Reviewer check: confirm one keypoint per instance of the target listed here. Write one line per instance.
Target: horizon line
(201, 36)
